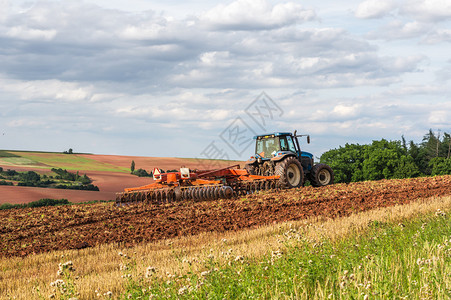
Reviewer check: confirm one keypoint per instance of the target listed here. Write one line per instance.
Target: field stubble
(108, 230)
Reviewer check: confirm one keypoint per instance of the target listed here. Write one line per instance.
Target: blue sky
(170, 78)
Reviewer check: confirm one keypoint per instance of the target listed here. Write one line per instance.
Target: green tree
(440, 166)
(407, 168)
(346, 162)
(141, 173)
(380, 160)
(132, 167)
(31, 176)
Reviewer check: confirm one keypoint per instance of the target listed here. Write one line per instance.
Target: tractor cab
(279, 154)
(279, 145)
(276, 144)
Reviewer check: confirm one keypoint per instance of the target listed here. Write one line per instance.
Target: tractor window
(266, 146)
(283, 144)
(291, 144)
(286, 144)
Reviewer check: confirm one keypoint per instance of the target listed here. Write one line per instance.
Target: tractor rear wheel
(290, 172)
(321, 175)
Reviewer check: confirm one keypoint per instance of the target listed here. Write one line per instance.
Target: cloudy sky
(197, 78)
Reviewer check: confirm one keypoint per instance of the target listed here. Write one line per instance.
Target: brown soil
(28, 231)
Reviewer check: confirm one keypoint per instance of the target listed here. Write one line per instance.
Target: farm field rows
(28, 231)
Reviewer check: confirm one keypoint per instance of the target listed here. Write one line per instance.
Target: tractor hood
(307, 154)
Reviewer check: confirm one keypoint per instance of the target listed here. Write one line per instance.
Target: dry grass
(98, 270)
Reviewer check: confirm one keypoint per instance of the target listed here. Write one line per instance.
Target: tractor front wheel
(290, 172)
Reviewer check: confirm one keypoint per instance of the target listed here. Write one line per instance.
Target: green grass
(39, 203)
(4, 153)
(389, 261)
(49, 202)
(19, 161)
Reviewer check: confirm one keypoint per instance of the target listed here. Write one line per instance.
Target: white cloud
(256, 14)
(398, 29)
(21, 32)
(428, 10)
(440, 118)
(374, 8)
(438, 36)
(346, 111)
(47, 90)
(117, 76)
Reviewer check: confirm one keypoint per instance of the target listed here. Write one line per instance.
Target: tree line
(385, 159)
(62, 180)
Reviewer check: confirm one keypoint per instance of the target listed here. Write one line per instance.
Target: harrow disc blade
(227, 191)
(216, 192)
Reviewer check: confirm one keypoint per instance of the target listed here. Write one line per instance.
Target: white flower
(108, 294)
(239, 258)
(183, 290)
(150, 271)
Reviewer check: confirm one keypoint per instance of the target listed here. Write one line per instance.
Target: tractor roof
(274, 134)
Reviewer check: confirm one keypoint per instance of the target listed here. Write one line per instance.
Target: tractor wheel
(250, 169)
(290, 172)
(321, 175)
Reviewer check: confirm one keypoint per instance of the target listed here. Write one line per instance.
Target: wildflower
(239, 258)
(65, 266)
(150, 271)
(205, 273)
(123, 267)
(276, 254)
(58, 283)
(108, 294)
(440, 213)
(183, 290)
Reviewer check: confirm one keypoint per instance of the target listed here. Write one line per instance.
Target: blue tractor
(279, 154)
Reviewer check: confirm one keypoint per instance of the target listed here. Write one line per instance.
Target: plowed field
(27, 231)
